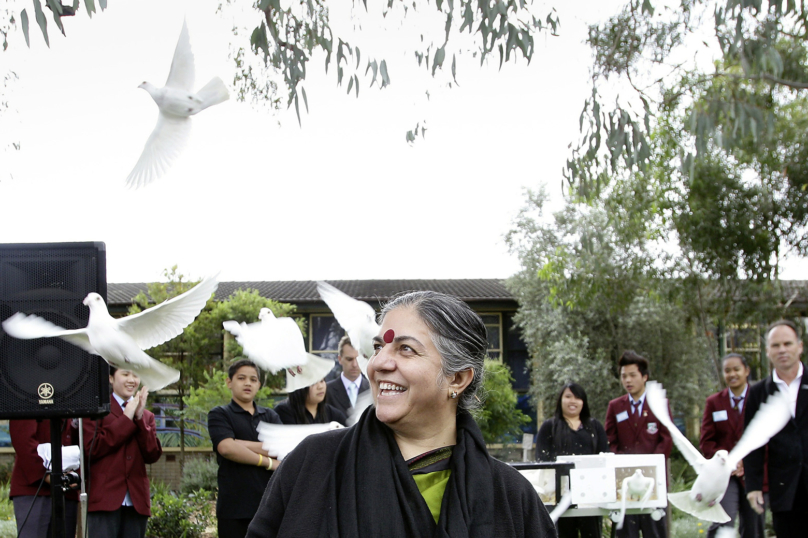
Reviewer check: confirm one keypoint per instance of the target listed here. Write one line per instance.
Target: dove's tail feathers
(561, 507)
(683, 502)
(157, 375)
(213, 93)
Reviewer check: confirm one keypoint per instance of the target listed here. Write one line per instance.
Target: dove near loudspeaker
(49, 377)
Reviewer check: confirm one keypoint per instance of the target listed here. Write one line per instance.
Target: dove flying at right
(121, 341)
(357, 318)
(176, 103)
(273, 343)
(702, 501)
(280, 439)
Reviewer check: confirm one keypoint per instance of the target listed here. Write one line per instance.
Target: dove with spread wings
(357, 318)
(702, 501)
(176, 102)
(274, 344)
(121, 341)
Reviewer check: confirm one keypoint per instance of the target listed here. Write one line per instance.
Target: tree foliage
(499, 417)
(289, 34)
(591, 287)
(57, 9)
(759, 67)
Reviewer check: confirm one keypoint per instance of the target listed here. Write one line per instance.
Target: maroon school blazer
(635, 435)
(29, 468)
(121, 448)
(721, 425)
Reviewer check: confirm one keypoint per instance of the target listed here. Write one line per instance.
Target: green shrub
(200, 474)
(5, 473)
(8, 525)
(179, 516)
(499, 418)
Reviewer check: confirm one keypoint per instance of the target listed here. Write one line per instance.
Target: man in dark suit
(632, 428)
(119, 446)
(788, 450)
(343, 391)
(721, 428)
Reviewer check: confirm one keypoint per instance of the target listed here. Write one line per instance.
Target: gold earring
(453, 395)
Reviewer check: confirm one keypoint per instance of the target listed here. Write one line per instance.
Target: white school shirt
(127, 501)
(792, 389)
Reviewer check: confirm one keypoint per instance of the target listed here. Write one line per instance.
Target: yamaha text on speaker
(49, 377)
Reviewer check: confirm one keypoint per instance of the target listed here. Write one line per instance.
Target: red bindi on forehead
(389, 336)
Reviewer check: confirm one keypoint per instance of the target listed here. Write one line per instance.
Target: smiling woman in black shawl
(415, 465)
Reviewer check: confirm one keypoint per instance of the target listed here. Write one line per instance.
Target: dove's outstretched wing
(771, 417)
(561, 506)
(27, 327)
(182, 74)
(623, 498)
(164, 146)
(280, 439)
(167, 320)
(658, 402)
(274, 344)
(357, 317)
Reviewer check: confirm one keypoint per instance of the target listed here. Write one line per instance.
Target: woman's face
(735, 373)
(571, 405)
(316, 393)
(405, 373)
(124, 383)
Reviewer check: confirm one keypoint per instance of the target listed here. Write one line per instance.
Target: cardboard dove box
(551, 480)
(597, 482)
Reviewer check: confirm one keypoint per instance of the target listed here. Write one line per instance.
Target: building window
(493, 324)
(324, 335)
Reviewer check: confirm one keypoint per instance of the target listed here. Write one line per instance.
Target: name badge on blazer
(652, 428)
(718, 416)
(622, 416)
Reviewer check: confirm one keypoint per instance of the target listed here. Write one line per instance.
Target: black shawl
(355, 483)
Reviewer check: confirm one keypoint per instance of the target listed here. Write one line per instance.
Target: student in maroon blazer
(30, 488)
(632, 428)
(721, 428)
(119, 446)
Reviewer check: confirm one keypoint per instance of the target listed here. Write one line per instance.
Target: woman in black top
(572, 431)
(307, 406)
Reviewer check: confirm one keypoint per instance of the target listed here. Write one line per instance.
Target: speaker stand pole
(57, 493)
(83, 494)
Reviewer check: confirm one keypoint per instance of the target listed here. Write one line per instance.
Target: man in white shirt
(788, 450)
(343, 391)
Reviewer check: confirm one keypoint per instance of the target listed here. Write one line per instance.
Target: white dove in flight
(636, 485)
(280, 439)
(176, 103)
(357, 318)
(702, 501)
(274, 344)
(121, 341)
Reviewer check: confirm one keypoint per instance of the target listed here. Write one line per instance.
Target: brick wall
(166, 469)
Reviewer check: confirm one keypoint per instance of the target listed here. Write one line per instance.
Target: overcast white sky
(259, 197)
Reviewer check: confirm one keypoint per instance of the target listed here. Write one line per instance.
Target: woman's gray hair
(457, 332)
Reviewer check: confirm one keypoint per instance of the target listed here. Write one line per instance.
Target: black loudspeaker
(49, 377)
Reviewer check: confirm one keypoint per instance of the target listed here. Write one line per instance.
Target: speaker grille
(49, 377)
